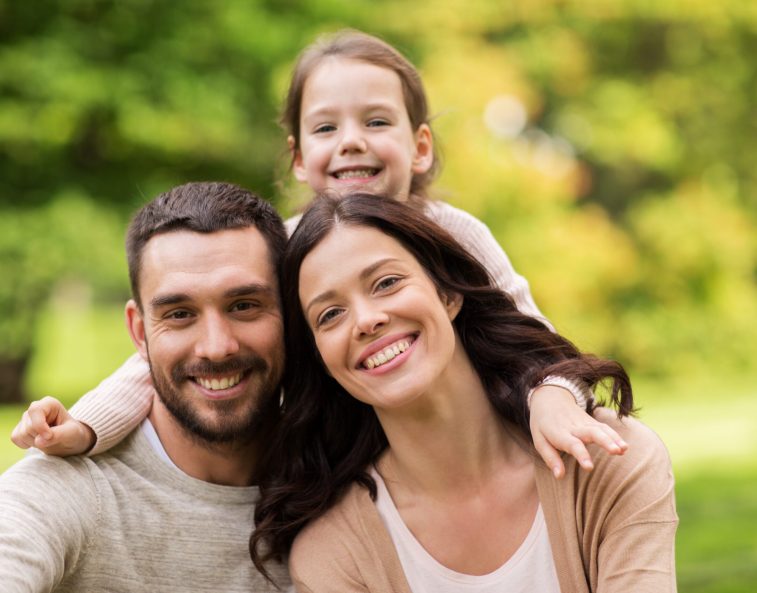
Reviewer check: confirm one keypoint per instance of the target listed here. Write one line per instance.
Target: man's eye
(178, 315)
(245, 306)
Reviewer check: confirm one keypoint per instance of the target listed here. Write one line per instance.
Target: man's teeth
(355, 173)
(218, 384)
(386, 354)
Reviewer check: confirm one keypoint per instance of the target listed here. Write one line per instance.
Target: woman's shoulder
(644, 445)
(331, 530)
(638, 485)
(347, 548)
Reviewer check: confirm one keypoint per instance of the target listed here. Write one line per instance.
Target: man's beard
(237, 420)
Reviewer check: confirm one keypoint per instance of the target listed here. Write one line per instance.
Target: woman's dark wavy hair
(327, 439)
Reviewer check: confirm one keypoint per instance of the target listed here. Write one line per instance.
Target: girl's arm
(98, 421)
(557, 424)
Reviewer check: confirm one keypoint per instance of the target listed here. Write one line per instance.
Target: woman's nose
(369, 320)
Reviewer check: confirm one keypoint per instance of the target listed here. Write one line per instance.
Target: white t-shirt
(531, 568)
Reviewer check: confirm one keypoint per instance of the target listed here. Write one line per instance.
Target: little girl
(357, 118)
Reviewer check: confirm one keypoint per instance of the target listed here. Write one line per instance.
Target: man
(170, 508)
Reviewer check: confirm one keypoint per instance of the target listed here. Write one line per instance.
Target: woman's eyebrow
(367, 271)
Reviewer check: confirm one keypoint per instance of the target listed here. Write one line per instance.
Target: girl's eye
(327, 316)
(324, 128)
(375, 123)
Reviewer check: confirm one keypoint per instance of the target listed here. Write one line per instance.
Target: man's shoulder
(49, 477)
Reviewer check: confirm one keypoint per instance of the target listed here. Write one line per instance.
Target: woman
(404, 462)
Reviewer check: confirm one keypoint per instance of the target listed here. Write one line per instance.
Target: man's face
(211, 329)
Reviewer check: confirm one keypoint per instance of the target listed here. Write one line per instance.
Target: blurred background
(611, 147)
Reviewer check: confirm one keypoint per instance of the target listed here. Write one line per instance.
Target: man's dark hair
(202, 207)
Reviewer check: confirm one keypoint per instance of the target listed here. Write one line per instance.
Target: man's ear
(453, 302)
(424, 150)
(136, 326)
(297, 165)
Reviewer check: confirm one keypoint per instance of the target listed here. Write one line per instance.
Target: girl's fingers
(550, 455)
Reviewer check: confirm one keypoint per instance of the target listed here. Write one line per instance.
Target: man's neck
(225, 464)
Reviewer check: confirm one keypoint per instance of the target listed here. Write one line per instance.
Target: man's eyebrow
(249, 289)
(364, 273)
(168, 299)
(237, 291)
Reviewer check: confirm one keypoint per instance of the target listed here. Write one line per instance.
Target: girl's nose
(352, 140)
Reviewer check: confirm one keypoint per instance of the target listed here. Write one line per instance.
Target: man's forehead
(184, 257)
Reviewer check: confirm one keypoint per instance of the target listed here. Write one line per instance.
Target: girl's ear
(424, 150)
(453, 302)
(297, 165)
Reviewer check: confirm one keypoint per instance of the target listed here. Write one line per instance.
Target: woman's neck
(455, 436)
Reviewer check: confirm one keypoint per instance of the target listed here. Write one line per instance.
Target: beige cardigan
(611, 530)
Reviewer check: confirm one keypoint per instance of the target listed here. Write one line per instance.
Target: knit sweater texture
(124, 521)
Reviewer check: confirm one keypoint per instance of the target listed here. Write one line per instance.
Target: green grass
(717, 538)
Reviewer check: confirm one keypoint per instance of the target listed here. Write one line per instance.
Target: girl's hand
(49, 427)
(558, 424)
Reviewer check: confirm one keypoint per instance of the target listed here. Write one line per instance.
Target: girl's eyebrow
(329, 108)
(367, 271)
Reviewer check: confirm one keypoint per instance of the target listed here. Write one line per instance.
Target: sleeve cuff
(578, 389)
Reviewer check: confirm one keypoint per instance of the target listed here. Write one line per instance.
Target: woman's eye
(327, 316)
(387, 282)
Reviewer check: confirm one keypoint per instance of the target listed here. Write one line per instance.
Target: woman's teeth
(218, 384)
(355, 173)
(386, 354)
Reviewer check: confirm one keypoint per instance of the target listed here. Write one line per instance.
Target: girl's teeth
(219, 384)
(356, 173)
(386, 354)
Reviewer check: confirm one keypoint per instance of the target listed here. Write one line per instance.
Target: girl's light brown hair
(355, 45)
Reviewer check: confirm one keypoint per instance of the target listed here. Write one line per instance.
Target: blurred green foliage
(608, 145)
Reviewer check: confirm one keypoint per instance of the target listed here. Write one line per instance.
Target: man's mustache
(204, 368)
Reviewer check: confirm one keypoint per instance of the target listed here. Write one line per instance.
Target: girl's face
(355, 132)
(380, 325)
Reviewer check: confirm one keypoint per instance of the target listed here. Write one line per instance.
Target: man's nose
(217, 340)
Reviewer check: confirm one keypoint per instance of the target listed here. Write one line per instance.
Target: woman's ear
(453, 302)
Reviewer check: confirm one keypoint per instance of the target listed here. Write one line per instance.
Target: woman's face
(381, 327)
